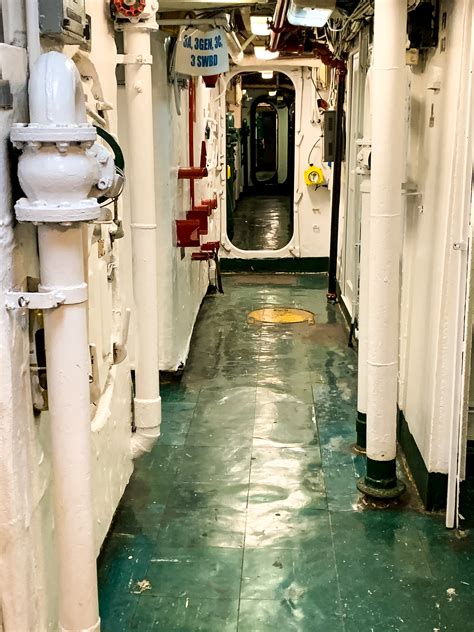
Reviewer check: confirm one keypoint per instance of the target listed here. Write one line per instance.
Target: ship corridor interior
(236, 324)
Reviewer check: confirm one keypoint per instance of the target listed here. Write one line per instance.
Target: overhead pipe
(385, 242)
(336, 186)
(141, 179)
(57, 173)
(278, 24)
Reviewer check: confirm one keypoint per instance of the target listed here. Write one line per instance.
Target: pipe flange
(41, 213)
(22, 133)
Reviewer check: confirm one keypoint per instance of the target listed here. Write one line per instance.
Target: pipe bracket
(46, 299)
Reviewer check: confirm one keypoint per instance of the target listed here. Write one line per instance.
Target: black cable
(312, 149)
(315, 86)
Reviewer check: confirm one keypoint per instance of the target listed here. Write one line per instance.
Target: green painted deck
(246, 515)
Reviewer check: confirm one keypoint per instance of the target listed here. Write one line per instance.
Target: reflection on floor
(246, 517)
(262, 222)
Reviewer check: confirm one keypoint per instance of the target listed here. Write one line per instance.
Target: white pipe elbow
(143, 440)
(56, 95)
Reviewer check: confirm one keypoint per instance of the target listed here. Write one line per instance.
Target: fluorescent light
(267, 74)
(308, 15)
(259, 25)
(262, 53)
(272, 93)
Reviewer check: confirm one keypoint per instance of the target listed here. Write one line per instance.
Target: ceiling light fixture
(267, 74)
(262, 53)
(259, 25)
(272, 93)
(312, 13)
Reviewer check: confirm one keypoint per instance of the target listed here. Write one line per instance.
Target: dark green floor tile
(216, 526)
(227, 421)
(144, 517)
(209, 573)
(289, 468)
(200, 495)
(227, 399)
(176, 392)
(292, 614)
(273, 390)
(277, 573)
(394, 563)
(316, 281)
(176, 419)
(316, 557)
(166, 460)
(122, 563)
(294, 497)
(342, 493)
(283, 423)
(185, 614)
(211, 464)
(276, 524)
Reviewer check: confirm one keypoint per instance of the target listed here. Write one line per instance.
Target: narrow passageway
(262, 222)
(246, 515)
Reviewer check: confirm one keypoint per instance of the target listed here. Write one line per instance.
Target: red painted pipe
(210, 202)
(278, 24)
(191, 117)
(192, 173)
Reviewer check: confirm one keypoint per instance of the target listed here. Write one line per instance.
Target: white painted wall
(429, 277)
(182, 282)
(28, 580)
(431, 269)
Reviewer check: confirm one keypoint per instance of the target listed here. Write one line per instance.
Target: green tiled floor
(246, 517)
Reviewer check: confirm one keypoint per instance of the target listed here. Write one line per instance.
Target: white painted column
(141, 180)
(387, 168)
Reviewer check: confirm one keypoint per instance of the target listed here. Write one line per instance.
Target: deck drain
(281, 316)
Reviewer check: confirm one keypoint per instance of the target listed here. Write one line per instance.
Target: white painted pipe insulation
(141, 179)
(387, 91)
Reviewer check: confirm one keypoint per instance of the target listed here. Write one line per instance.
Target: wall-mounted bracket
(46, 299)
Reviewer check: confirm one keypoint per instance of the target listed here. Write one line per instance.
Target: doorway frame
(292, 248)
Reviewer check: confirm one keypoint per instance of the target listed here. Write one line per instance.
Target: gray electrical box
(64, 19)
(329, 135)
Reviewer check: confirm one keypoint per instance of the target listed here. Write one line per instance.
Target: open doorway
(260, 159)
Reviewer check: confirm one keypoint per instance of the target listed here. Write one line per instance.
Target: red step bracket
(201, 216)
(187, 233)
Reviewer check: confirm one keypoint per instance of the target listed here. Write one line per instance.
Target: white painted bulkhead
(433, 222)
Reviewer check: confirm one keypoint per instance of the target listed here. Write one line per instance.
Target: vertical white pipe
(363, 299)
(32, 31)
(364, 268)
(67, 356)
(388, 111)
(54, 81)
(141, 179)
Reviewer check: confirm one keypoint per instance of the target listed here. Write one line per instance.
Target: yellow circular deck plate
(281, 316)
